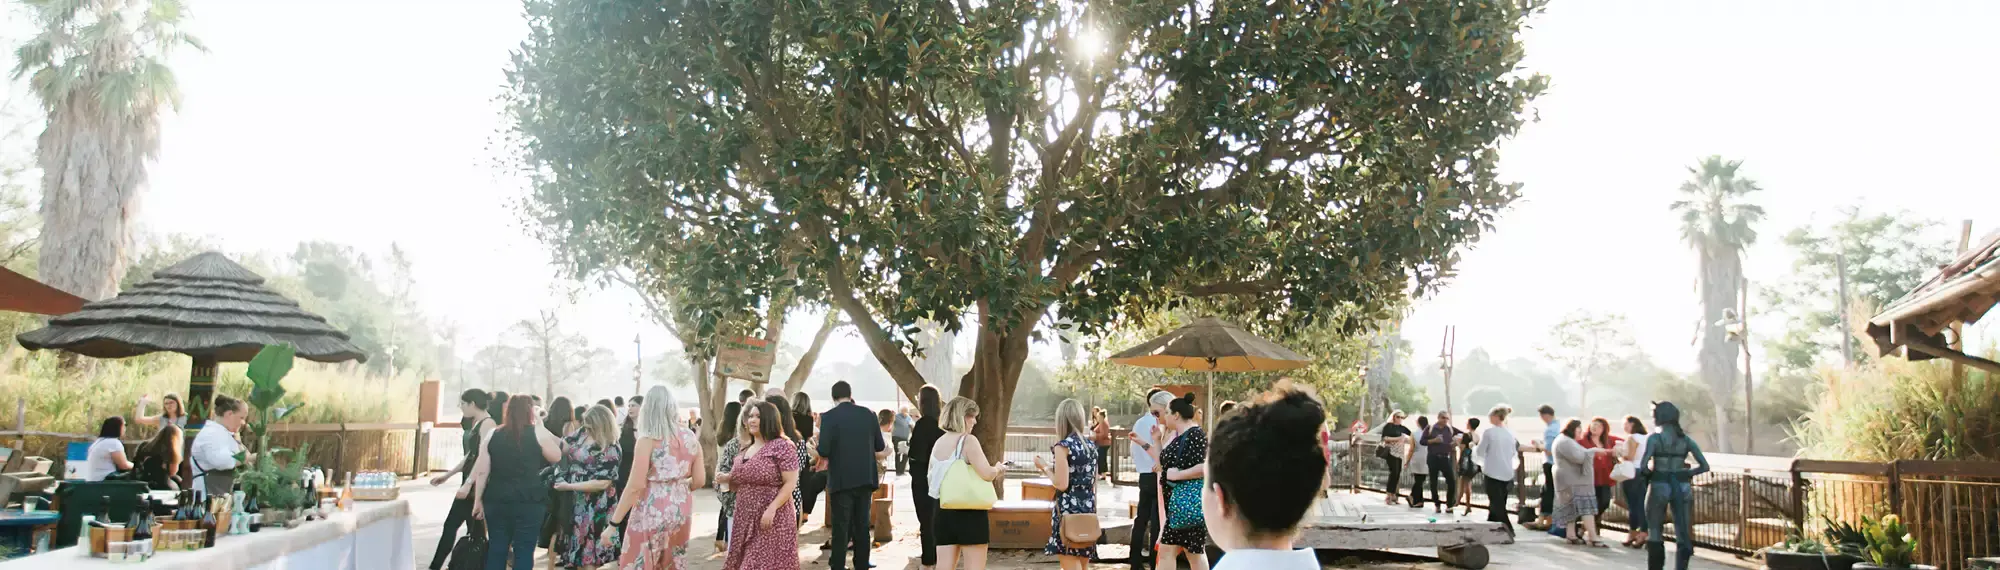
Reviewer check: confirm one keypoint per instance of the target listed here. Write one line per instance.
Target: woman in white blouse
(107, 454)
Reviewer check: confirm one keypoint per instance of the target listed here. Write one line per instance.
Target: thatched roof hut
(207, 307)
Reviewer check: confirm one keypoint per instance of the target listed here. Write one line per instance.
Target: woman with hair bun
(1185, 459)
(1266, 467)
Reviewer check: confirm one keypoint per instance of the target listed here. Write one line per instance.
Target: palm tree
(1717, 221)
(99, 68)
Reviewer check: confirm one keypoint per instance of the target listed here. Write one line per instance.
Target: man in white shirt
(1498, 452)
(215, 448)
(1147, 524)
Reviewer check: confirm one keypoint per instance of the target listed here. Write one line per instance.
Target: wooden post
(1896, 487)
(201, 393)
(427, 415)
(339, 451)
(20, 424)
(1798, 497)
(1742, 512)
(1958, 326)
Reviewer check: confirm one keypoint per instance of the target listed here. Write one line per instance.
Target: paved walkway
(1534, 551)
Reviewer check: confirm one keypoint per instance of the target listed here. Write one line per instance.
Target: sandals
(1598, 544)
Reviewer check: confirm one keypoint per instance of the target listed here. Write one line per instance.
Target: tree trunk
(93, 168)
(708, 392)
(803, 370)
(996, 370)
(1721, 275)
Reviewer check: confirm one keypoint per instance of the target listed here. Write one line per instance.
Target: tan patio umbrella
(1211, 345)
(206, 307)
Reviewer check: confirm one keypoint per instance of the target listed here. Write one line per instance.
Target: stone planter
(1775, 560)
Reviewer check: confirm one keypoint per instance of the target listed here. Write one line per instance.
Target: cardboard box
(1020, 524)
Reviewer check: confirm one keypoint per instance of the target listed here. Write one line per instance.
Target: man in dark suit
(850, 446)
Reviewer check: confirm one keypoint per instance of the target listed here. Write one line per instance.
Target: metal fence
(1749, 502)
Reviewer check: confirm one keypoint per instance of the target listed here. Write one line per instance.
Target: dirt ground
(1534, 551)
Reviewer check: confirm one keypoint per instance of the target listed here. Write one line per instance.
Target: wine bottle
(142, 531)
(207, 527)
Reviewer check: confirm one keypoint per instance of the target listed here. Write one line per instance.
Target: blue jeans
(515, 527)
(1635, 504)
(1678, 495)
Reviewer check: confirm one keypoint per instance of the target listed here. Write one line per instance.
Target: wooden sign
(746, 358)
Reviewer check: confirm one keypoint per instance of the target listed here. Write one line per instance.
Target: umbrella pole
(1210, 400)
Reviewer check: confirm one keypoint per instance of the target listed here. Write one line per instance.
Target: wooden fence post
(339, 451)
(1799, 498)
(1742, 511)
(1896, 488)
(427, 413)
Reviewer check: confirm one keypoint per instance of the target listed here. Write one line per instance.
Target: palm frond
(33, 55)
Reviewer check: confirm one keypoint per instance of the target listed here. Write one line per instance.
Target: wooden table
(1363, 522)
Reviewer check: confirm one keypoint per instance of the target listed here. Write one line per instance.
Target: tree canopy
(1005, 160)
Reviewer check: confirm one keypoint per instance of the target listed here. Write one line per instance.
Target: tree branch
(1256, 287)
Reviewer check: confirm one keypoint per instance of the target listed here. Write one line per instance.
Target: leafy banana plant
(267, 373)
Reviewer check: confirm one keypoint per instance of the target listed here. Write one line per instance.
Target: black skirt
(960, 527)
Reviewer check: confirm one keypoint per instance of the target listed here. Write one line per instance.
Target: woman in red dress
(764, 530)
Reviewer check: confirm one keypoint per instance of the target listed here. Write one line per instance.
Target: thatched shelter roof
(205, 307)
(1962, 291)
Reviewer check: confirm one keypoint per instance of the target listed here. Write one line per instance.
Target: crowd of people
(601, 485)
(611, 483)
(1585, 466)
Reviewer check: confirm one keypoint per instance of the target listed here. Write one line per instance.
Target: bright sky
(371, 122)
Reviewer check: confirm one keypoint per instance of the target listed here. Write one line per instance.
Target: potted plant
(1844, 537)
(1800, 553)
(1889, 546)
(273, 478)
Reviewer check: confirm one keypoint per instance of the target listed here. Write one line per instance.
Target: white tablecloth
(375, 535)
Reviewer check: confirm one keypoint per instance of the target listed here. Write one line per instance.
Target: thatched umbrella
(206, 307)
(1211, 345)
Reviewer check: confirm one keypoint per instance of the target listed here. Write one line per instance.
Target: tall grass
(76, 402)
(1894, 409)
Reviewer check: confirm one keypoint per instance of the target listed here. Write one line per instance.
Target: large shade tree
(905, 162)
(99, 68)
(1719, 222)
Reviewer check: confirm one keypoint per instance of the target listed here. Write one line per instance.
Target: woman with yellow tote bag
(964, 491)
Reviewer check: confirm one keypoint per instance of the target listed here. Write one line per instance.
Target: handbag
(1080, 530)
(962, 489)
(469, 553)
(1625, 470)
(1184, 504)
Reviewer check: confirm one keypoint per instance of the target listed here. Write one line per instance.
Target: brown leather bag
(1080, 530)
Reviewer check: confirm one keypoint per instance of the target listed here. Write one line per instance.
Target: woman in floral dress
(728, 434)
(1076, 469)
(591, 475)
(764, 531)
(1186, 463)
(657, 511)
